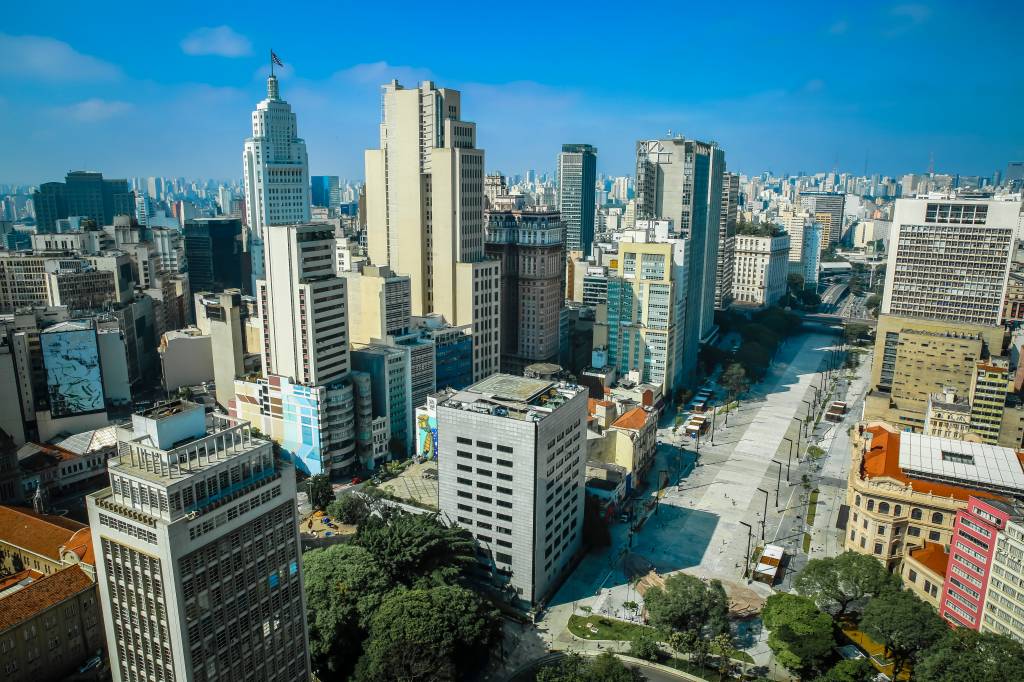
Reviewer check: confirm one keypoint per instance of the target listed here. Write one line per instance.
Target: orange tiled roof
(634, 419)
(81, 544)
(42, 534)
(593, 403)
(16, 578)
(932, 556)
(883, 461)
(42, 594)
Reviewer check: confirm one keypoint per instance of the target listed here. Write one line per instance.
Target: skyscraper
(325, 190)
(198, 553)
(681, 180)
(532, 254)
(826, 208)
(576, 178)
(276, 173)
(726, 257)
(84, 194)
(425, 204)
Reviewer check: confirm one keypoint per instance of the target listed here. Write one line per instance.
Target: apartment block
(513, 475)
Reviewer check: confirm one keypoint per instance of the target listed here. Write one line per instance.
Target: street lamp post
(746, 565)
(778, 482)
(764, 517)
(808, 404)
(799, 432)
(789, 459)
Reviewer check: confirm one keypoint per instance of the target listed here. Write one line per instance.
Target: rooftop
(42, 594)
(932, 556)
(514, 397)
(634, 419)
(882, 460)
(42, 534)
(956, 461)
(90, 441)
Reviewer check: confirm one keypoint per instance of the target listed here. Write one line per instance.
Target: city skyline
(861, 99)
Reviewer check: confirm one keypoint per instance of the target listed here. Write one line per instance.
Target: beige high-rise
(425, 203)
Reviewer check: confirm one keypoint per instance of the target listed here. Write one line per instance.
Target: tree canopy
(799, 634)
(411, 548)
(575, 668)
(734, 379)
(903, 624)
(439, 633)
(320, 492)
(687, 603)
(856, 670)
(838, 583)
(963, 655)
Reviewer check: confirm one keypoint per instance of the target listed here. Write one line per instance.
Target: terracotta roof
(16, 578)
(42, 534)
(42, 594)
(592, 404)
(932, 556)
(883, 461)
(634, 419)
(81, 544)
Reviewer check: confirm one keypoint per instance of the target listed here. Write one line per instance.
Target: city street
(697, 525)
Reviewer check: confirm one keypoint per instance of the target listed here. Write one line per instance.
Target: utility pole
(789, 460)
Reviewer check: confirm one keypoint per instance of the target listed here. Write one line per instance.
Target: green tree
(721, 647)
(645, 646)
(873, 303)
(762, 334)
(688, 603)
(755, 359)
(857, 670)
(734, 380)
(782, 322)
(413, 548)
(838, 583)
(963, 655)
(320, 492)
(855, 332)
(800, 635)
(903, 624)
(795, 282)
(575, 668)
(350, 508)
(440, 633)
(343, 587)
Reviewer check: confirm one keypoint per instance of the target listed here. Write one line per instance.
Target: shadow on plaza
(670, 540)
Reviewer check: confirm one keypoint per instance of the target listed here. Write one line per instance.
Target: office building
(681, 180)
(530, 247)
(1004, 599)
(915, 358)
(825, 208)
(576, 177)
(516, 448)
(379, 303)
(975, 531)
(425, 204)
(276, 174)
(646, 309)
(990, 383)
(186, 359)
(217, 259)
(795, 220)
(84, 194)
(762, 266)
(391, 374)
(193, 502)
(453, 350)
(949, 259)
(220, 315)
(725, 262)
(326, 191)
(812, 254)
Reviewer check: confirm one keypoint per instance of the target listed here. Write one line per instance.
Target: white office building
(198, 558)
(515, 448)
(275, 170)
(762, 266)
(949, 258)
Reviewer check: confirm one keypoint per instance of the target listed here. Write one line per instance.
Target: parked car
(356, 480)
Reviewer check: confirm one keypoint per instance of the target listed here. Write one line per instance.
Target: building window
(915, 514)
(936, 518)
(912, 575)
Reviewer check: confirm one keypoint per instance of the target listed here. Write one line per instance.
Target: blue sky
(166, 88)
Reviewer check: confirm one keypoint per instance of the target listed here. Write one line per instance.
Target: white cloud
(218, 40)
(50, 59)
(93, 110)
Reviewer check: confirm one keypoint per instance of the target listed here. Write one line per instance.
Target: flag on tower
(274, 58)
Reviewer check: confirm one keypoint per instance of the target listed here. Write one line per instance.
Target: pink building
(972, 545)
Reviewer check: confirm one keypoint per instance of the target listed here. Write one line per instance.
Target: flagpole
(271, 61)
